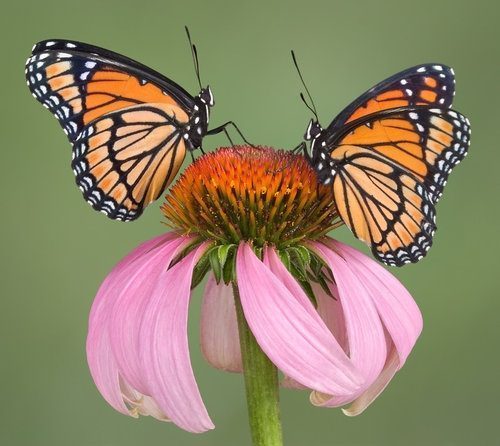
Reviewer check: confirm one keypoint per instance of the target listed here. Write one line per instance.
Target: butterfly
(130, 126)
(387, 157)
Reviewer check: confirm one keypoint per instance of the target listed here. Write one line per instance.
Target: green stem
(261, 383)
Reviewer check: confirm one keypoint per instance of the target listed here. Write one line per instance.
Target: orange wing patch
(79, 91)
(397, 139)
(384, 101)
(110, 90)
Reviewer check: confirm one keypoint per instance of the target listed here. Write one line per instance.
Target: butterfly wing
(125, 159)
(87, 89)
(390, 170)
(431, 85)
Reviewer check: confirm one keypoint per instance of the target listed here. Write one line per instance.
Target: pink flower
(343, 334)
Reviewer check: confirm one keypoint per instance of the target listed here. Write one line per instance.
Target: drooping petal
(365, 333)
(295, 339)
(366, 398)
(398, 311)
(165, 350)
(127, 310)
(102, 364)
(140, 404)
(330, 310)
(395, 305)
(273, 262)
(219, 336)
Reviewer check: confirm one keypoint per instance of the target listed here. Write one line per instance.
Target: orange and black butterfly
(130, 127)
(388, 156)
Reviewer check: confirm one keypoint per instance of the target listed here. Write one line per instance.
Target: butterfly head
(207, 97)
(314, 129)
(200, 117)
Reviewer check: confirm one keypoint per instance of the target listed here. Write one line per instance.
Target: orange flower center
(251, 193)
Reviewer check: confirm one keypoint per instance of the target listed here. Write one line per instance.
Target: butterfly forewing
(431, 85)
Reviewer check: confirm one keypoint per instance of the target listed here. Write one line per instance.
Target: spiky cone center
(249, 193)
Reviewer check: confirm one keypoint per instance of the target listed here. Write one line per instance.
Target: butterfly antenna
(194, 53)
(311, 107)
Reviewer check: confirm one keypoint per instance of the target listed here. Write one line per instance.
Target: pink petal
(293, 337)
(273, 262)
(362, 402)
(126, 313)
(140, 404)
(365, 334)
(395, 305)
(290, 383)
(219, 336)
(102, 364)
(398, 311)
(330, 310)
(165, 350)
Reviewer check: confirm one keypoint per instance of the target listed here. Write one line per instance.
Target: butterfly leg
(222, 128)
(228, 137)
(302, 147)
(192, 154)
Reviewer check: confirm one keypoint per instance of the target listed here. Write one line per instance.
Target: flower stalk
(261, 383)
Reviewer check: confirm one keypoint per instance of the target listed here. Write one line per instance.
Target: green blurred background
(55, 250)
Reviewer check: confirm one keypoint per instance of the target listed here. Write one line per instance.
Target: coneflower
(281, 296)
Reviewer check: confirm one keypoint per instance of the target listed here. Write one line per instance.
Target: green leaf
(285, 258)
(298, 263)
(304, 253)
(258, 251)
(200, 270)
(324, 285)
(213, 257)
(306, 286)
(229, 269)
(190, 247)
(223, 253)
(316, 266)
(299, 274)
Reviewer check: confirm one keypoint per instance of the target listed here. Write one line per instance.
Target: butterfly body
(130, 126)
(388, 156)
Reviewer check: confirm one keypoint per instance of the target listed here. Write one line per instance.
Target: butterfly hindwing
(384, 206)
(124, 160)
